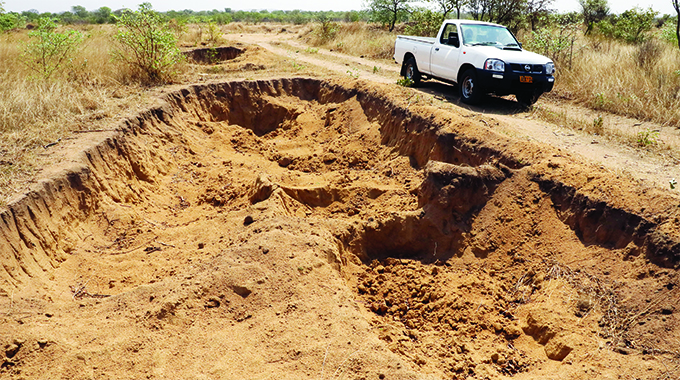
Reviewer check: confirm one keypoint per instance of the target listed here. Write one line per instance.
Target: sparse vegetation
(357, 38)
(354, 73)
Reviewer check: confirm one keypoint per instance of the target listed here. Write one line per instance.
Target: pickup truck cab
(480, 57)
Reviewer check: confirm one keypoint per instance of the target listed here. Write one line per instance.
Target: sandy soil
(313, 228)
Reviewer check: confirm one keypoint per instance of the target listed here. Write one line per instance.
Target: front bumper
(508, 82)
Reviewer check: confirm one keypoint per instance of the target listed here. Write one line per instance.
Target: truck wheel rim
(409, 72)
(468, 87)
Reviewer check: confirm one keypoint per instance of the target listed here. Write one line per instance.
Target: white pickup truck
(481, 57)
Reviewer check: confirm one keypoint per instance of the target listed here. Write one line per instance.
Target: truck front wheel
(527, 99)
(468, 86)
(411, 71)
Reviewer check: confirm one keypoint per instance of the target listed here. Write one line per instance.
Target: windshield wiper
(512, 46)
(484, 43)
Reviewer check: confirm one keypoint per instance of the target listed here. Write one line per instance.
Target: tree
(593, 11)
(504, 12)
(676, 5)
(80, 11)
(445, 6)
(388, 12)
(103, 15)
(535, 10)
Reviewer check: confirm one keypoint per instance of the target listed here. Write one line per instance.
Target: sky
(56, 6)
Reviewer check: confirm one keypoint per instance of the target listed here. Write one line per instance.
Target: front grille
(521, 68)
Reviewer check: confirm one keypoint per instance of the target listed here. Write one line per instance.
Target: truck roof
(462, 21)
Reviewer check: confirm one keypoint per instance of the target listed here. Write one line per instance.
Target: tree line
(595, 15)
(105, 15)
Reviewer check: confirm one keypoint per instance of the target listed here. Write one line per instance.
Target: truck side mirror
(453, 40)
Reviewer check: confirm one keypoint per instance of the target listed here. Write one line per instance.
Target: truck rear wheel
(468, 86)
(411, 71)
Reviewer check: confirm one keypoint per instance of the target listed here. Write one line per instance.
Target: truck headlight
(550, 68)
(494, 65)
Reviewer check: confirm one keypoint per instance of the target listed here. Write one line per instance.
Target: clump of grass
(647, 137)
(598, 126)
(405, 82)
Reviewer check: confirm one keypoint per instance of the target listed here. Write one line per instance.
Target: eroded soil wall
(39, 229)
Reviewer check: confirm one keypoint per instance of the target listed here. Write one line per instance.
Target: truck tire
(468, 86)
(411, 71)
(527, 99)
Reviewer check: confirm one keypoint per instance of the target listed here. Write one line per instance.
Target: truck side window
(450, 36)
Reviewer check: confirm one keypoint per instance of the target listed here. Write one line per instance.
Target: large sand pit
(296, 228)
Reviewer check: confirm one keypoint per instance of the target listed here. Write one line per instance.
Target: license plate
(526, 79)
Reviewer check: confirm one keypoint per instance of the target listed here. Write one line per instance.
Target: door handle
(436, 49)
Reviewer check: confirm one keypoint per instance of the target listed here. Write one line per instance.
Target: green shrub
(630, 26)
(214, 33)
(47, 50)
(328, 29)
(667, 32)
(147, 44)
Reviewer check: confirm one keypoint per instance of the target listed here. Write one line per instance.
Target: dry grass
(35, 112)
(636, 81)
(357, 38)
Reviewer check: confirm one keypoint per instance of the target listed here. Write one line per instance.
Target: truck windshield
(490, 35)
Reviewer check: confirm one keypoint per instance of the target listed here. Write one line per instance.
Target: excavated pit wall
(214, 55)
(41, 228)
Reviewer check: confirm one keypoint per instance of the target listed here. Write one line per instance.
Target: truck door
(445, 53)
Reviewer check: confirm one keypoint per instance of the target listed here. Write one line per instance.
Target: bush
(9, 21)
(328, 29)
(556, 42)
(48, 50)
(214, 33)
(631, 26)
(147, 44)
